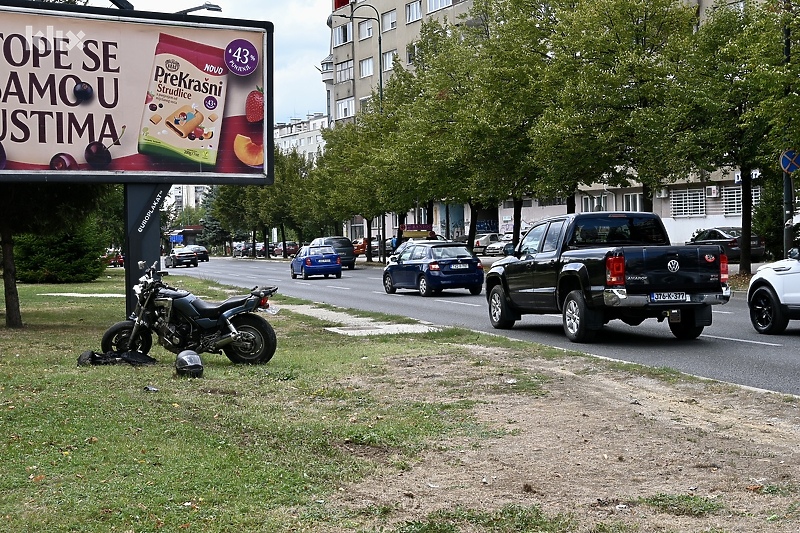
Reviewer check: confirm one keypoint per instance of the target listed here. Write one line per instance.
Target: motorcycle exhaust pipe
(225, 340)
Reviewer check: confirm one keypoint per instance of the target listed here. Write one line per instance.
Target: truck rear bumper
(621, 298)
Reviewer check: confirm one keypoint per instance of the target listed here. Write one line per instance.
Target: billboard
(92, 94)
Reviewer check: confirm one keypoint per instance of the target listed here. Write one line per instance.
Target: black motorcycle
(182, 321)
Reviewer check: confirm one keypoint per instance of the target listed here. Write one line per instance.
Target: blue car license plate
(324, 261)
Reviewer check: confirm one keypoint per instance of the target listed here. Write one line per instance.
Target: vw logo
(673, 266)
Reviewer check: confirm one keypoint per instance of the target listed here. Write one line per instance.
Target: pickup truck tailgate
(672, 268)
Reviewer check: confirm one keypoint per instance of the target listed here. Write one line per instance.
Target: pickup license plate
(668, 297)
(324, 261)
(460, 265)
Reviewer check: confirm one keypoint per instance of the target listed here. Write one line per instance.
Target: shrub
(72, 257)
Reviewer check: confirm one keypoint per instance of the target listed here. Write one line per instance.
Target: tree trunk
(13, 314)
(368, 249)
(517, 229)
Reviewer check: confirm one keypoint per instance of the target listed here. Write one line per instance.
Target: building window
(365, 67)
(547, 202)
(689, 202)
(344, 71)
(593, 203)
(364, 29)
(388, 59)
(632, 201)
(389, 20)
(732, 199)
(345, 107)
(411, 53)
(413, 11)
(435, 5)
(343, 34)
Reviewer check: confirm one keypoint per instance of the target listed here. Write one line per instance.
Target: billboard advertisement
(90, 94)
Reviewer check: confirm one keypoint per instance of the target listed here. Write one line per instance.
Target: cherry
(63, 161)
(83, 91)
(98, 155)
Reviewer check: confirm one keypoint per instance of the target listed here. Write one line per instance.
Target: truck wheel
(766, 314)
(576, 318)
(685, 330)
(499, 314)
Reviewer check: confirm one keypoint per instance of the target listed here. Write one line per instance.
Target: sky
(301, 42)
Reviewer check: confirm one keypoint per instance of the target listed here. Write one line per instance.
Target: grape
(63, 161)
(83, 91)
(97, 155)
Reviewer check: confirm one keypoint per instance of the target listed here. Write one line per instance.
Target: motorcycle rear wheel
(117, 339)
(258, 342)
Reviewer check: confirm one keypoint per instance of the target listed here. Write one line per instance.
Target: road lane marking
(742, 340)
(338, 287)
(459, 303)
(723, 312)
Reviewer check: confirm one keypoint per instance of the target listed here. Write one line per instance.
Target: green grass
(245, 448)
(684, 504)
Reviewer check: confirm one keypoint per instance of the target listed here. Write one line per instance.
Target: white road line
(459, 303)
(741, 340)
(723, 312)
(338, 287)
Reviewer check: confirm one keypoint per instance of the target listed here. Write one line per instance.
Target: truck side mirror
(794, 253)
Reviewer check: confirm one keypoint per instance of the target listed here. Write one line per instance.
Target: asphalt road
(730, 350)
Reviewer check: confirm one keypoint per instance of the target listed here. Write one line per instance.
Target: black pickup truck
(600, 266)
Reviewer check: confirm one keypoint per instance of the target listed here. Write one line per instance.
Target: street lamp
(208, 5)
(376, 18)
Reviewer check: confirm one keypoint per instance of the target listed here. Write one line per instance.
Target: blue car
(431, 266)
(316, 261)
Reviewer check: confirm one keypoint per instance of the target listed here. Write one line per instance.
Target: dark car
(431, 266)
(343, 247)
(728, 238)
(180, 256)
(291, 248)
(316, 261)
(200, 251)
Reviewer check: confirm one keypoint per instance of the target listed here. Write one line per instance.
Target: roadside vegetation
(254, 448)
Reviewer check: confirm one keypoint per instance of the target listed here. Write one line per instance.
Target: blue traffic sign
(790, 161)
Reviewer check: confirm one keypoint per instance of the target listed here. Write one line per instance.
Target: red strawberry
(254, 105)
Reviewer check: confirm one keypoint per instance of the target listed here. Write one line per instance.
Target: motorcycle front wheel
(117, 339)
(257, 343)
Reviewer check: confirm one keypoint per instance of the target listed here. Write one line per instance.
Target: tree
(39, 208)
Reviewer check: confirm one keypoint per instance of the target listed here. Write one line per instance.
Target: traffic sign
(790, 161)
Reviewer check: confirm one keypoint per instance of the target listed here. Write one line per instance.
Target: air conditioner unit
(662, 193)
(712, 191)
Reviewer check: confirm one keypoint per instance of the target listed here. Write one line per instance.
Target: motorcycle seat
(211, 310)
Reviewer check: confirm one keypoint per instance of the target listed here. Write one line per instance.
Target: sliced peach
(248, 152)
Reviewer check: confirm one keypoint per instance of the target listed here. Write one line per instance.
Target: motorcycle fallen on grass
(182, 321)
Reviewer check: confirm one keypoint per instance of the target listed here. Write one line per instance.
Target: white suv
(774, 295)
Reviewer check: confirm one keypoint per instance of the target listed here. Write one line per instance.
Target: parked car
(343, 247)
(114, 258)
(360, 246)
(774, 295)
(200, 251)
(501, 247)
(180, 256)
(728, 238)
(483, 240)
(432, 266)
(291, 248)
(316, 261)
(242, 249)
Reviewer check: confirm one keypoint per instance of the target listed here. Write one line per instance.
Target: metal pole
(788, 189)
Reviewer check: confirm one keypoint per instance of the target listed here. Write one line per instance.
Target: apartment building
(365, 38)
(303, 135)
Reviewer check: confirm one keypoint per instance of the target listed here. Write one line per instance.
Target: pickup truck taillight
(615, 270)
(723, 268)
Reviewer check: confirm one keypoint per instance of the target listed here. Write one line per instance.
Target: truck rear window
(593, 231)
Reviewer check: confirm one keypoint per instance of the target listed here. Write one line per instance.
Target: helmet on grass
(189, 364)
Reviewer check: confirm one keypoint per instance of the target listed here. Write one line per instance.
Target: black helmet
(189, 364)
